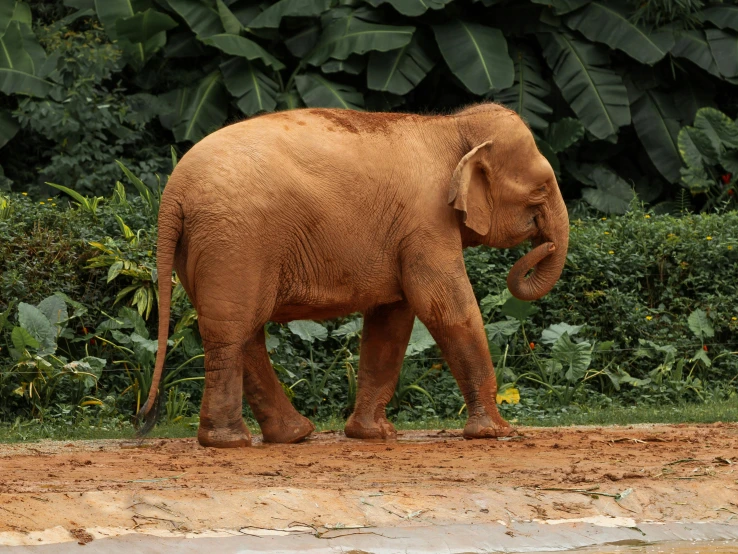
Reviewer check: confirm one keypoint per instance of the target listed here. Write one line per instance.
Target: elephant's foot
(484, 426)
(365, 428)
(237, 436)
(286, 431)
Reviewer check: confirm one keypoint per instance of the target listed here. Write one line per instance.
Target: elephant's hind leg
(277, 417)
(221, 422)
(383, 343)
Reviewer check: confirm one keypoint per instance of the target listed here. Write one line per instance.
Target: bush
(645, 311)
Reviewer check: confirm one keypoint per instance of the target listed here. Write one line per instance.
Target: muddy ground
(91, 489)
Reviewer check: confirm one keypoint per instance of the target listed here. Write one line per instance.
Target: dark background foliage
(606, 85)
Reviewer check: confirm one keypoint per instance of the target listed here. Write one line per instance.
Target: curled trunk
(546, 260)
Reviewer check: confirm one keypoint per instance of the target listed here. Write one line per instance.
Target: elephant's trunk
(546, 259)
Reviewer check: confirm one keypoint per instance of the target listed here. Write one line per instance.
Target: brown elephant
(319, 213)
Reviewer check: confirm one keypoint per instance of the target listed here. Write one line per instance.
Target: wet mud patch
(57, 491)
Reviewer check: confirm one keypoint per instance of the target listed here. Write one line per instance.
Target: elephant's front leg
(277, 417)
(444, 301)
(383, 343)
(221, 422)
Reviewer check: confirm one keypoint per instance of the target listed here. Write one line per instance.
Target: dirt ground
(92, 489)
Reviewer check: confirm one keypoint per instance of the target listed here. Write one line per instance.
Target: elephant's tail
(171, 220)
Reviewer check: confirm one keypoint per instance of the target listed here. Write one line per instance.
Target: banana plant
(709, 150)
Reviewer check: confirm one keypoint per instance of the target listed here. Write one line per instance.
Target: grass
(726, 411)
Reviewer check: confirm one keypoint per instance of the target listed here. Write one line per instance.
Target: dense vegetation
(606, 85)
(631, 100)
(645, 313)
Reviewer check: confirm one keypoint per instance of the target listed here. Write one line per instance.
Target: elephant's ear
(469, 190)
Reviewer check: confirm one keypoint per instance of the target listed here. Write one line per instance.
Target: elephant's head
(507, 193)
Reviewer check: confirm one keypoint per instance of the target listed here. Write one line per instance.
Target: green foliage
(709, 150)
(79, 116)
(645, 312)
(104, 80)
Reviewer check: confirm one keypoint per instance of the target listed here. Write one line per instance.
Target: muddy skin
(316, 214)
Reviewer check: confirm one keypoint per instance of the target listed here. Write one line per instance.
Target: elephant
(320, 213)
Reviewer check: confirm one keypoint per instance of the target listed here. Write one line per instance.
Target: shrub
(645, 311)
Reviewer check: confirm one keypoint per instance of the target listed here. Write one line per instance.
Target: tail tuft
(146, 418)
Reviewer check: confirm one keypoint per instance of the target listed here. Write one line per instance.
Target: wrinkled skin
(315, 214)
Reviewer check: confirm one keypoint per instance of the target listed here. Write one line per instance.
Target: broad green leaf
(302, 43)
(42, 65)
(724, 48)
(272, 343)
(272, 16)
(718, 127)
(420, 339)
(564, 133)
(148, 345)
(561, 7)
(702, 356)
(411, 8)
(499, 331)
(477, 55)
(554, 332)
(696, 179)
(317, 91)
(723, 17)
(8, 127)
(700, 325)
(491, 301)
(308, 330)
(353, 65)
(19, 73)
(289, 100)
(230, 22)
(175, 102)
(95, 367)
(37, 324)
(22, 12)
(22, 339)
(575, 358)
(350, 329)
(205, 111)
(607, 22)
(729, 160)
(6, 14)
(656, 121)
(354, 35)
(255, 91)
(134, 320)
(696, 148)
(529, 89)
(692, 45)
(142, 26)
(595, 93)
(55, 310)
(612, 195)
(203, 19)
(109, 12)
(240, 46)
(398, 71)
(182, 45)
(519, 309)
